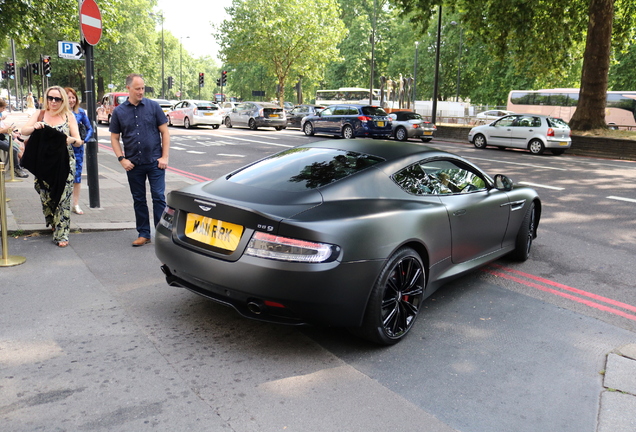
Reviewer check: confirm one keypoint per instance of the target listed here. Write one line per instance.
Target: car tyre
(169, 121)
(279, 128)
(527, 232)
(479, 141)
(228, 122)
(401, 134)
(347, 132)
(536, 147)
(186, 123)
(395, 300)
(252, 124)
(308, 128)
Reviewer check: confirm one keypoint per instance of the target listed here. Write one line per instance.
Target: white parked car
(533, 132)
(191, 113)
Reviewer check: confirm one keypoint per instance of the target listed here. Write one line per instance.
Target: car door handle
(459, 212)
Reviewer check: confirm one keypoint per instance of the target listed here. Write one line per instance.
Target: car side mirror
(503, 182)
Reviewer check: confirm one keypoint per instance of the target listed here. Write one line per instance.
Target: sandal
(62, 244)
(77, 209)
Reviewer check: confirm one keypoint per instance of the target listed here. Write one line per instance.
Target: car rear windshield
(409, 116)
(300, 169)
(557, 123)
(206, 106)
(373, 111)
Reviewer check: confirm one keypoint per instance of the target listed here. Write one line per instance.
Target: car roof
(385, 149)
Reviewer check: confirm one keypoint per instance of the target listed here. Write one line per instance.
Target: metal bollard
(6, 260)
(11, 167)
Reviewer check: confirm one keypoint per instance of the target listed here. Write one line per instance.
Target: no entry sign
(90, 22)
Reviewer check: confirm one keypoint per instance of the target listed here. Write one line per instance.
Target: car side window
(438, 177)
(340, 111)
(326, 112)
(507, 121)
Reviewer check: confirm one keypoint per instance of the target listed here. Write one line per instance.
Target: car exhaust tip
(255, 307)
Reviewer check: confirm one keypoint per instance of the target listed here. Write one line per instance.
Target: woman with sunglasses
(82, 119)
(56, 115)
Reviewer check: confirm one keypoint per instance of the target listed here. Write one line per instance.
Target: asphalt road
(510, 347)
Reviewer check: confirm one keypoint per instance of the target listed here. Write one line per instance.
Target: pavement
(115, 212)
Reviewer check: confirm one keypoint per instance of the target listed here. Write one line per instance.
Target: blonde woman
(49, 156)
(82, 119)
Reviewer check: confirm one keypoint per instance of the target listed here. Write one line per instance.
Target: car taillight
(415, 125)
(364, 118)
(167, 217)
(275, 247)
(550, 132)
(194, 111)
(261, 113)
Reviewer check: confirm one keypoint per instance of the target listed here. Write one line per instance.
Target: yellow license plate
(563, 143)
(208, 113)
(381, 124)
(428, 133)
(213, 232)
(273, 115)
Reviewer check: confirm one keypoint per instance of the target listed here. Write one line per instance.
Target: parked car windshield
(373, 111)
(299, 169)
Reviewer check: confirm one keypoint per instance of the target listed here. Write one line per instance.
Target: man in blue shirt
(143, 128)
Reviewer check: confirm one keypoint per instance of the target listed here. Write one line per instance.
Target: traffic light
(170, 81)
(35, 69)
(9, 67)
(224, 78)
(46, 66)
(201, 79)
(218, 82)
(3, 73)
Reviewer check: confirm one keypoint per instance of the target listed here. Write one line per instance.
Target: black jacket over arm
(46, 156)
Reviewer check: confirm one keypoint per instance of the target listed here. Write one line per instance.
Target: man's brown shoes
(141, 241)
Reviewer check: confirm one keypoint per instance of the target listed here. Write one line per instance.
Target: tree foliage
(288, 39)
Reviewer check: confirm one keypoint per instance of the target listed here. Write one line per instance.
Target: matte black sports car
(352, 233)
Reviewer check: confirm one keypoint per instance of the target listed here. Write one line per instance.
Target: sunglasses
(54, 99)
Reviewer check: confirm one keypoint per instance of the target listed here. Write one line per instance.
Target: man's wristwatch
(120, 158)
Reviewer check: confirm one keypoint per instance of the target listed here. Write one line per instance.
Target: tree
(543, 36)
(289, 39)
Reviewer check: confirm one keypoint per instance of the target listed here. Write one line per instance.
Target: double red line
(596, 302)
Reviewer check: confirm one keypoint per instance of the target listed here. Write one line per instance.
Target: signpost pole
(91, 29)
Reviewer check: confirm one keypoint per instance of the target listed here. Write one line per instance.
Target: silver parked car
(533, 132)
(409, 124)
(190, 113)
(257, 114)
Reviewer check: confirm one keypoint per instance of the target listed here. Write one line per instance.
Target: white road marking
(631, 200)
(541, 186)
(230, 155)
(195, 152)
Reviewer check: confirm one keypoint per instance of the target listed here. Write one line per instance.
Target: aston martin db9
(352, 233)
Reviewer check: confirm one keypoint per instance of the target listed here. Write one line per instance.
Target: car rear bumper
(269, 122)
(333, 293)
(554, 143)
(207, 120)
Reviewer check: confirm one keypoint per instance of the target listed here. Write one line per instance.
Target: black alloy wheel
(252, 124)
(228, 122)
(395, 300)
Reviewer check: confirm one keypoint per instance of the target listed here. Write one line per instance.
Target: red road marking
(589, 303)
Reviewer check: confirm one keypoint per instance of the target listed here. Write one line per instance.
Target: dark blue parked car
(349, 121)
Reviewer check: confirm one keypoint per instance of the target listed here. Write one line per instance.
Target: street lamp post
(436, 79)
(181, 66)
(417, 44)
(163, 81)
